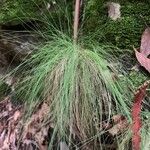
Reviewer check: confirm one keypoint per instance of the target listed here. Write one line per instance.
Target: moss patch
(15, 11)
(138, 78)
(123, 33)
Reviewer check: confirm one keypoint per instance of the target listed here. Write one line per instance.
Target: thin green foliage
(124, 141)
(76, 83)
(145, 145)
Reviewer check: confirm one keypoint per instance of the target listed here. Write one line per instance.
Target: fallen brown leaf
(119, 127)
(36, 130)
(145, 42)
(114, 10)
(143, 60)
(120, 124)
(17, 133)
(142, 56)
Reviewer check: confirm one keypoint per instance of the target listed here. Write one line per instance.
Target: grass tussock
(78, 85)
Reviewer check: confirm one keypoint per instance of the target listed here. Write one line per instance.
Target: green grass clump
(77, 84)
(77, 80)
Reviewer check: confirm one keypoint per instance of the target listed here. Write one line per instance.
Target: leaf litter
(16, 133)
(33, 133)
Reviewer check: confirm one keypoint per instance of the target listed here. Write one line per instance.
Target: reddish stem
(137, 123)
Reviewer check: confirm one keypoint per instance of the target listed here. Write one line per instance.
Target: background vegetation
(74, 79)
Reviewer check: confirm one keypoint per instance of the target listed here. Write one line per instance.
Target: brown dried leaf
(145, 42)
(17, 115)
(143, 60)
(32, 126)
(4, 114)
(40, 137)
(6, 144)
(34, 133)
(114, 10)
(36, 130)
(9, 125)
(120, 126)
(2, 137)
(142, 56)
(29, 144)
(118, 118)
